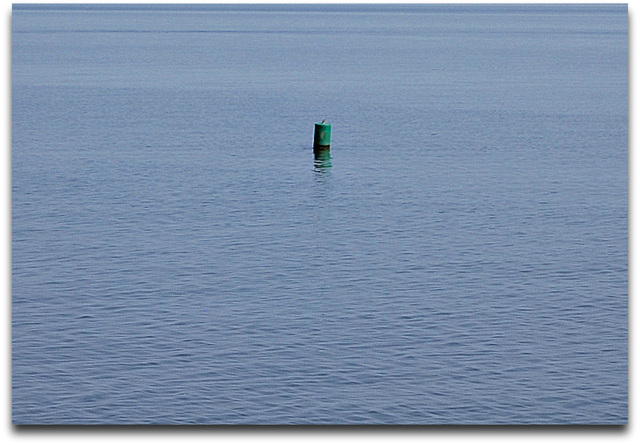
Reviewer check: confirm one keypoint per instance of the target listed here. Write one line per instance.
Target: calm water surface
(179, 257)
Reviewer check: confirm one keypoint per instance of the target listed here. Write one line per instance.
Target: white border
(582, 436)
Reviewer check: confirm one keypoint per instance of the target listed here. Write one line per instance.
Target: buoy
(322, 136)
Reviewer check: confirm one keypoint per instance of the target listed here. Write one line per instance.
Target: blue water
(178, 256)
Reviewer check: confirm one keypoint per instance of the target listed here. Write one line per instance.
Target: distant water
(179, 257)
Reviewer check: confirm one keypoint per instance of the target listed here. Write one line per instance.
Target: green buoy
(322, 136)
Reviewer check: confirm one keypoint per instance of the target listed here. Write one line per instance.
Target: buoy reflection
(322, 159)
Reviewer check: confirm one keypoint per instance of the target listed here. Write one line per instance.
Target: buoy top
(322, 135)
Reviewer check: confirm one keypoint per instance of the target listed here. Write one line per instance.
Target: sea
(181, 256)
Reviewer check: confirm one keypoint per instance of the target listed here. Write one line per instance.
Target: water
(179, 256)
